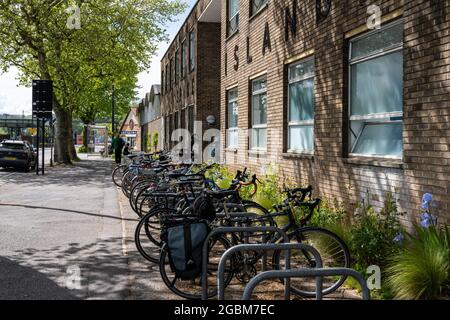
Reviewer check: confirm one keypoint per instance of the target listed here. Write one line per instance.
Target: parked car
(17, 154)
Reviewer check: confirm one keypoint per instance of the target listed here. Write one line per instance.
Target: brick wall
(426, 163)
(200, 87)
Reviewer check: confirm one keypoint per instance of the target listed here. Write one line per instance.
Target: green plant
(82, 149)
(333, 216)
(149, 142)
(155, 140)
(373, 234)
(422, 269)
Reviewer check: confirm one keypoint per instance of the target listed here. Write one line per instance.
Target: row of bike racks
(318, 272)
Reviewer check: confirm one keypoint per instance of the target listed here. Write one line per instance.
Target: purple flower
(426, 200)
(399, 238)
(427, 220)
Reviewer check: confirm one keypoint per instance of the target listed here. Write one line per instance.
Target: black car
(17, 154)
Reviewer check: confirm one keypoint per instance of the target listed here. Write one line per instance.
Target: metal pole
(113, 111)
(53, 141)
(306, 272)
(43, 145)
(223, 230)
(37, 146)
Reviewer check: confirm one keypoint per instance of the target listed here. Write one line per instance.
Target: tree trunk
(64, 147)
(85, 137)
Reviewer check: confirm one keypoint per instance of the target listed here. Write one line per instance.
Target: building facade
(130, 131)
(149, 114)
(320, 91)
(190, 76)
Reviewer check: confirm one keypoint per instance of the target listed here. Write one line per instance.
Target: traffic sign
(42, 99)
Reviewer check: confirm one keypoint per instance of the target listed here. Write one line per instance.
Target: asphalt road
(61, 235)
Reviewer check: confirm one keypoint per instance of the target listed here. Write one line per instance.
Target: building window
(191, 119)
(172, 73)
(167, 131)
(166, 84)
(162, 81)
(259, 114)
(183, 58)
(177, 65)
(191, 50)
(376, 93)
(176, 124)
(256, 5)
(232, 117)
(183, 119)
(233, 16)
(301, 106)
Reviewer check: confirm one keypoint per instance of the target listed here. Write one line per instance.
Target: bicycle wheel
(136, 191)
(254, 207)
(126, 183)
(147, 235)
(334, 254)
(192, 289)
(118, 173)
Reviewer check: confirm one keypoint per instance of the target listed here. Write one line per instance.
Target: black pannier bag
(185, 242)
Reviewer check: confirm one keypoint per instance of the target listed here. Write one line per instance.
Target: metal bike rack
(277, 274)
(286, 247)
(225, 230)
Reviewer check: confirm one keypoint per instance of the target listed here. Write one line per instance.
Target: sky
(15, 99)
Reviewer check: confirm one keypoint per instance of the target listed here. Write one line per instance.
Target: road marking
(124, 230)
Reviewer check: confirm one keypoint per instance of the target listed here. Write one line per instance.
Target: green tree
(115, 42)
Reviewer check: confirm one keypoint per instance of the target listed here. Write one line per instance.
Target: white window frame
(258, 126)
(192, 49)
(230, 18)
(376, 116)
(259, 9)
(303, 123)
(232, 129)
(184, 55)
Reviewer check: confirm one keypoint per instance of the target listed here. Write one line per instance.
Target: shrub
(334, 217)
(82, 149)
(422, 269)
(155, 139)
(373, 235)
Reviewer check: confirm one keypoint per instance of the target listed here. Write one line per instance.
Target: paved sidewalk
(145, 280)
(61, 235)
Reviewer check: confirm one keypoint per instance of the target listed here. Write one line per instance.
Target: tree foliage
(115, 42)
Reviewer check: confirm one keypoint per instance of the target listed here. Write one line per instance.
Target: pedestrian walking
(117, 146)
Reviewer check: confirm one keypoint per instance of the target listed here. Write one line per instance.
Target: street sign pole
(43, 145)
(52, 126)
(37, 146)
(42, 96)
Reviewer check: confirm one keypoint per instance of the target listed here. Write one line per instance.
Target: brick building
(190, 75)
(149, 114)
(312, 88)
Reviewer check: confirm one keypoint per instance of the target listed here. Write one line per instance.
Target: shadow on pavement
(87, 172)
(18, 282)
(66, 210)
(94, 271)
